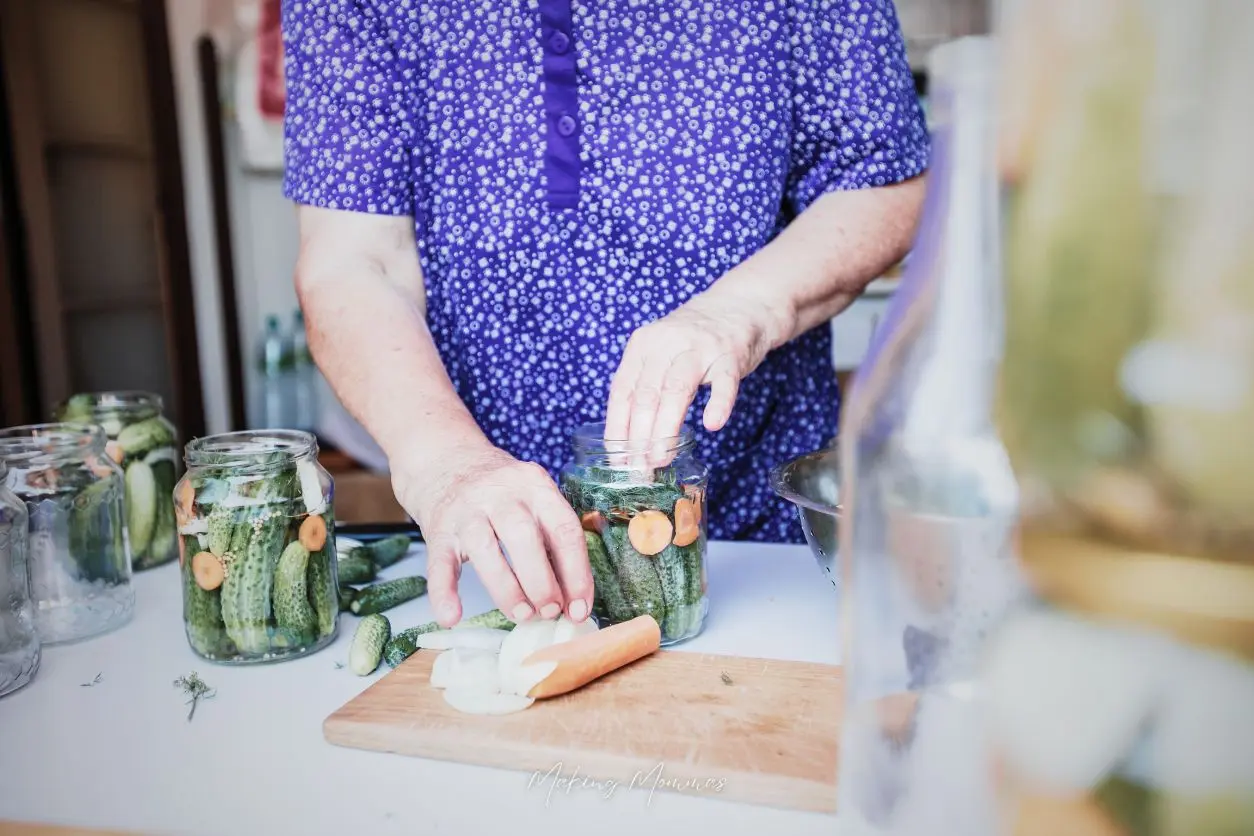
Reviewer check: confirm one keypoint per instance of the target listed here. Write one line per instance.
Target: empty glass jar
(19, 643)
(643, 511)
(79, 566)
(260, 577)
(145, 444)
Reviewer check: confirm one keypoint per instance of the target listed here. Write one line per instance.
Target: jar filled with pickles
(642, 506)
(144, 444)
(257, 553)
(78, 564)
(1119, 700)
(20, 653)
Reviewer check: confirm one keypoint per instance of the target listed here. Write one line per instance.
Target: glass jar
(145, 445)
(19, 642)
(645, 528)
(79, 566)
(258, 559)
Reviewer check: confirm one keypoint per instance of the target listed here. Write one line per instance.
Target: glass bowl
(812, 483)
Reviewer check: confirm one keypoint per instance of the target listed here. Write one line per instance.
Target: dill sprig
(195, 688)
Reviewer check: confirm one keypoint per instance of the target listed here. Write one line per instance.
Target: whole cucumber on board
(355, 569)
(388, 594)
(383, 553)
(292, 611)
(202, 611)
(403, 645)
(141, 509)
(371, 637)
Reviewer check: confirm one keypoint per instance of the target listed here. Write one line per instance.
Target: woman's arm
(808, 274)
(360, 285)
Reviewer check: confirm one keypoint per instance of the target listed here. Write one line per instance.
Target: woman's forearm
(361, 289)
(824, 259)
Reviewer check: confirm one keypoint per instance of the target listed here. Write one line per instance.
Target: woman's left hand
(715, 339)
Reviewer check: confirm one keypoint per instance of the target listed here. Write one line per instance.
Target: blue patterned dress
(576, 170)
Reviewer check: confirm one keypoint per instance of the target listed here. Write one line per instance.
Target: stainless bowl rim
(780, 486)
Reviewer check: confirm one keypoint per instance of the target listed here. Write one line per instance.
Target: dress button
(559, 43)
(566, 125)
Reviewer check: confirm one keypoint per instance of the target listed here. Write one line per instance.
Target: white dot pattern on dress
(702, 127)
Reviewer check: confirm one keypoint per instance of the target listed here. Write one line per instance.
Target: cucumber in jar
(202, 610)
(256, 547)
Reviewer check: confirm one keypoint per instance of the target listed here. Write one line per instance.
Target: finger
(568, 552)
(618, 409)
(443, 569)
(724, 383)
(520, 534)
(678, 389)
(494, 572)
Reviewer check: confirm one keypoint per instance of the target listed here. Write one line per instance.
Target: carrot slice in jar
(650, 532)
(207, 569)
(686, 523)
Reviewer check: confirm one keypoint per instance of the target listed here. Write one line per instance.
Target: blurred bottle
(274, 365)
(304, 377)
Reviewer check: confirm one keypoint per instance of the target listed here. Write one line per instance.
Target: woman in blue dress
(516, 218)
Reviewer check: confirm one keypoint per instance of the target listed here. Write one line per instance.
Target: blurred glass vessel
(1120, 700)
(20, 653)
(929, 496)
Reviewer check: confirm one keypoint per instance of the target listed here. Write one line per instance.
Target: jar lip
(240, 450)
(590, 437)
(39, 442)
(115, 400)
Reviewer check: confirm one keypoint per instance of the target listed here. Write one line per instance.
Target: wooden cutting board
(759, 731)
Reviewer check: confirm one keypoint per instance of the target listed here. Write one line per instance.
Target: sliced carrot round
(114, 450)
(686, 528)
(208, 570)
(695, 494)
(186, 498)
(313, 533)
(592, 521)
(650, 532)
(182, 552)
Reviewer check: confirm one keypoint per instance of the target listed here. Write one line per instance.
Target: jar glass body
(19, 641)
(645, 529)
(144, 443)
(1102, 726)
(257, 556)
(78, 563)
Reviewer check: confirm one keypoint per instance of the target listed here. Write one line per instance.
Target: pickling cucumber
(323, 585)
(371, 637)
(164, 545)
(608, 595)
(672, 572)
(347, 593)
(139, 438)
(95, 533)
(292, 611)
(220, 529)
(202, 611)
(383, 553)
(403, 645)
(637, 575)
(141, 509)
(388, 594)
(246, 592)
(355, 569)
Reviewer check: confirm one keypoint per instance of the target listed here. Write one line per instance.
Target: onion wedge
(480, 638)
(478, 702)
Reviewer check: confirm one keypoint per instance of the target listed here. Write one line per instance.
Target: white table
(122, 754)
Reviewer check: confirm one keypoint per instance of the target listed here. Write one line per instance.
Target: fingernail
(579, 609)
(550, 610)
(522, 612)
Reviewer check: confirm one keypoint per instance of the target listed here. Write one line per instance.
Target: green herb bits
(643, 511)
(258, 547)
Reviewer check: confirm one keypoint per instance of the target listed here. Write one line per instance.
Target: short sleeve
(856, 114)
(346, 122)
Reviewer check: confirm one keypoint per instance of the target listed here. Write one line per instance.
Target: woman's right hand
(478, 504)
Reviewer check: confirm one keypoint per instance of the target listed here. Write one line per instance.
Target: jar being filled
(145, 445)
(257, 550)
(19, 642)
(79, 566)
(642, 506)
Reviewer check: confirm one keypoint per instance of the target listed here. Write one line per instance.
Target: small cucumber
(608, 595)
(355, 569)
(388, 594)
(141, 509)
(372, 634)
(164, 545)
(383, 553)
(220, 528)
(138, 438)
(403, 645)
(347, 593)
(292, 610)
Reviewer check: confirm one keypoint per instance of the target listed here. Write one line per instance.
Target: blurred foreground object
(1120, 702)
(929, 497)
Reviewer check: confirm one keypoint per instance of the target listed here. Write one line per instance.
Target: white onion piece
(442, 669)
(1067, 697)
(567, 629)
(203, 540)
(197, 525)
(310, 487)
(526, 677)
(467, 669)
(526, 638)
(483, 638)
(344, 545)
(478, 702)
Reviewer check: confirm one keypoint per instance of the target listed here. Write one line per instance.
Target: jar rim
(116, 400)
(39, 442)
(241, 450)
(590, 437)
